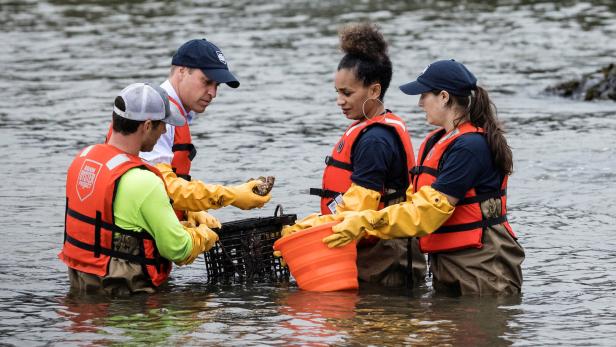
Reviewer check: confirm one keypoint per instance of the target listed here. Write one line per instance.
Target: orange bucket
(315, 266)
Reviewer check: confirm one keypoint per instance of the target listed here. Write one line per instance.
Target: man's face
(151, 133)
(195, 90)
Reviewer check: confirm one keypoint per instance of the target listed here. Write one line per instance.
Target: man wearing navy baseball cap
(204, 55)
(197, 69)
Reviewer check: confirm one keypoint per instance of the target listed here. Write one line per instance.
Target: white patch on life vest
(221, 57)
(332, 204)
(87, 178)
(86, 151)
(117, 160)
(348, 132)
(396, 122)
(448, 136)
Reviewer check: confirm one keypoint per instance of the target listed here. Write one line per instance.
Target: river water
(64, 61)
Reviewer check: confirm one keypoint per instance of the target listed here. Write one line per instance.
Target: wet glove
(358, 198)
(203, 239)
(243, 196)
(196, 195)
(309, 221)
(202, 217)
(422, 214)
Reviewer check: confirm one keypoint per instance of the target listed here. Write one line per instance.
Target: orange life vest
(338, 170)
(464, 228)
(89, 226)
(183, 149)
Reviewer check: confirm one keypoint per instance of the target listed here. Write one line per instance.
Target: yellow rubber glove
(203, 239)
(243, 196)
(358, 198)
(425, 212)
(310, 221)
(196, 195)
(202, 217)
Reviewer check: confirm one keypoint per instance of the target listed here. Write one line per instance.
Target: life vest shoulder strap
(330, 161)
(188, 147)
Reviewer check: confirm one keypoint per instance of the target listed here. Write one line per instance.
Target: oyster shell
(266, 187)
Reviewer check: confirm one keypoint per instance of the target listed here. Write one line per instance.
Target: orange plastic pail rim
(315, 266)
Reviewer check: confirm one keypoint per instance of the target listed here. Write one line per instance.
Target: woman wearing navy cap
(459, 190)
(368, 167)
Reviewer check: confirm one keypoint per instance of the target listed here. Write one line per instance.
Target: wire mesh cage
(244, 253)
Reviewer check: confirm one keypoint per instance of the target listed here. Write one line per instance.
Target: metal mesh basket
(244, 251)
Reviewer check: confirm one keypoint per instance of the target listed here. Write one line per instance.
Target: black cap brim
(415, 88)
(222, 76)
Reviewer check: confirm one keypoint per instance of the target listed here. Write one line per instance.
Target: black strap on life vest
(416, 170)
(470, 226)
(385, 199)
(483, 197)
(108, 226)
(112, 253)
(324, 193)
(329, 161)
(185, 147)
(186, 176)
(97, 249)
(97, 234)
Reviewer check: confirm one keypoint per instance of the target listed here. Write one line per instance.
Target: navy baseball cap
(446, 75)
(204, 55)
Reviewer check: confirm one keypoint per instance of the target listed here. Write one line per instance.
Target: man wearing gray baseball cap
(121, 233)
(197, 69)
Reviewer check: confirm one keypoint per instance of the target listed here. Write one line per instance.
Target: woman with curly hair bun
(369, 165)
(457, 203)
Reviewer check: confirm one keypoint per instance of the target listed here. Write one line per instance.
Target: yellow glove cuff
(358, 198)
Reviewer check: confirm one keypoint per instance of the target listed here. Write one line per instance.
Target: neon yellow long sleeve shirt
(142, 203)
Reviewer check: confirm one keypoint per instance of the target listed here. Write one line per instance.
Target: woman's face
(352, 94)
(435, 107)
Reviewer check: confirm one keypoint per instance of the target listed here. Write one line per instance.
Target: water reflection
(463, 322)
(316, 318)
(137, 320)
(352, 318)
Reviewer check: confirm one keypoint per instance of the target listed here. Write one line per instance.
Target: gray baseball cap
(145, 101)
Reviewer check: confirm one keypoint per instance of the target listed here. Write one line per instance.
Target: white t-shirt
(162, 152)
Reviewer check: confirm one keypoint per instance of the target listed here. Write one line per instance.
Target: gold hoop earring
(363, 105)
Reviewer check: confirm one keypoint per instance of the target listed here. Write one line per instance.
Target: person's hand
(202, 217)
(352, 227)
(203, 239)
(243, 196)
